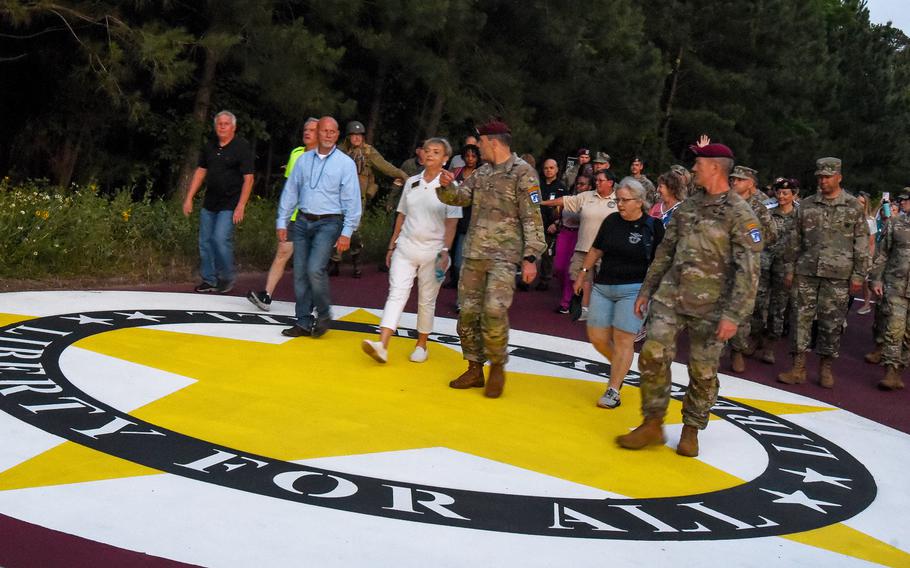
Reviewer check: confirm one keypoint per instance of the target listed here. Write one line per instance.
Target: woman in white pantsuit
(424, 230)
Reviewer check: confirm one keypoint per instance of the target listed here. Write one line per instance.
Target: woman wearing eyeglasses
(625, 246)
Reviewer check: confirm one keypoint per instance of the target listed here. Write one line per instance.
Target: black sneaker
(296, 331)
(224, 287)
(261, 300)
(321, 326)
(205, 288)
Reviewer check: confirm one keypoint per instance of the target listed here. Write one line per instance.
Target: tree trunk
(200, 113)
(671, 95)
(376, 105)
(436, 114)
(63, 164)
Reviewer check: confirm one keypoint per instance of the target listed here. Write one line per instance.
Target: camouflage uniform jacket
(707, 265)
(892, 259)
(506, 223)
(783, 225)
(830, 239)
(368, 160)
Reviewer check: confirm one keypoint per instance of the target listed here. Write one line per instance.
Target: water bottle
(442, 264)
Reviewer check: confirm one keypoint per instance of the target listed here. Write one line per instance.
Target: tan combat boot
(825, 376)
(874, 356)
(892, 379)
(473, 377)
(796, 375)
(650, 432)
(767, 352)
(688, 442)
(496, 380)
(737, 361)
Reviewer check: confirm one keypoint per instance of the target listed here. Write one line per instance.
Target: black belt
(570, 228)
(311, 217)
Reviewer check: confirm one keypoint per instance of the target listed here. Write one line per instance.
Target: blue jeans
(313, 245)
(216, 246)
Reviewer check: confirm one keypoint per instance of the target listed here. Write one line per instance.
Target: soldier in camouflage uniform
(784, 217)
(505, 231)
(745, 183)
(703, 279)
(890, 276)
(636, 168)
(368, 161)
(830, 250)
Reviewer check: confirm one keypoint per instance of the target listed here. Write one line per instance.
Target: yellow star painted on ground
(310, 398)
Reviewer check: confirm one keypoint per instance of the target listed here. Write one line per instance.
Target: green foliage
(45, 231)
(122, 93)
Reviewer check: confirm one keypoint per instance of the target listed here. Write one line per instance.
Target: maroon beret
(712, 151)
(584, 152)
(493, 127)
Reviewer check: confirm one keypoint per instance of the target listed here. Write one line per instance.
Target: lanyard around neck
(310, 184)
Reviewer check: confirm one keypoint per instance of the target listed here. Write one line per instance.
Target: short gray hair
(439, 141)
(228, 114)
(726, 164)
(636, 189)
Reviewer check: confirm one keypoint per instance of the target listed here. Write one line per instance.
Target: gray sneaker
(610, 399)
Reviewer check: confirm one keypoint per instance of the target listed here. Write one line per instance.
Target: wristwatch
(530, 258)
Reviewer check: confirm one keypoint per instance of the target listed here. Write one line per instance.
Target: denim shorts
(612, 305)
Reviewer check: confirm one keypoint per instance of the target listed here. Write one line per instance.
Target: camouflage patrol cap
(601, 158)
(827, 166)
(742, 172)
(354, 127)
(903, 194)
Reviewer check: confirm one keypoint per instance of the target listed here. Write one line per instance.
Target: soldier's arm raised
(769, 228)
(381, 164)
(451, 192)
(877, 270)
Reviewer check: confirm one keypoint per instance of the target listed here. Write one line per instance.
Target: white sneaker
(419, 355)
(584, 314)
(375, 350)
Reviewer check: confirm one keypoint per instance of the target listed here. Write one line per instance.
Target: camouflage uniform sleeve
(379, 163)
(877, 271)
(529, 214)
(663, 259)
(745, 265)
(768, 227)
(860, 249)
(458, 194)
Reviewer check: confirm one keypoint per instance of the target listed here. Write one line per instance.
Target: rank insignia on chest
(534, 192)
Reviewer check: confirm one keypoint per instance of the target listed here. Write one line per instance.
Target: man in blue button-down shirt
(324, 187)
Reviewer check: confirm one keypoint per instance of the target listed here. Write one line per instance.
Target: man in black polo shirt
(227, 163)
(551, 187)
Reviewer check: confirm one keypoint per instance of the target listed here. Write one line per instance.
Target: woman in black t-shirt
(626, 245)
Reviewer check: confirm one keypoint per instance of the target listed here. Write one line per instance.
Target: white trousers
(409, 261)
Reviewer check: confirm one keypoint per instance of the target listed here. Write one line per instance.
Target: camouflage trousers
(354, 251)
(896, 336)
(880, 319)
(778, 301)
(756, 326)
(485, 290)
(664, 324)
(823, 299)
